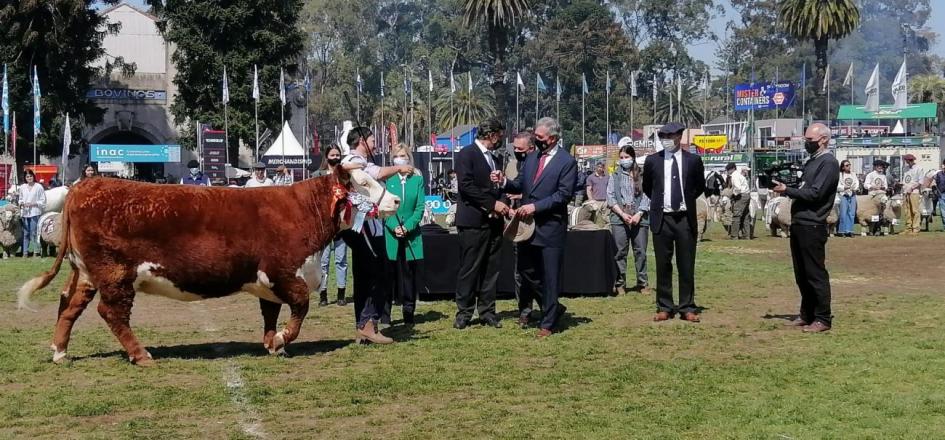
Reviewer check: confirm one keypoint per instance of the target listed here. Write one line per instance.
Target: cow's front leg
(115, 308)
(270, 313)
(294, 292)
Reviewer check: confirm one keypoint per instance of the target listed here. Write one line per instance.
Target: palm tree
(468, 108)
(820, 21)
(499, 18)
(688, 111)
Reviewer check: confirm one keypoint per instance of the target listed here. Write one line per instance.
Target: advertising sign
(589, 151)
(440, 152)
(723, 159)
(710, 143)
(134, 153)
(764, 96)
(437, 205)
(126, 94)
(214, 155)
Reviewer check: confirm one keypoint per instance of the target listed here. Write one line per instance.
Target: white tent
(292, 147)
(898, 129)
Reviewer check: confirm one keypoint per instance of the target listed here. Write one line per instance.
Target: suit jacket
(477, 193)
(550, 194)
(693, 187)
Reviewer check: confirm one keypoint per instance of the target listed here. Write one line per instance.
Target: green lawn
(612, 374)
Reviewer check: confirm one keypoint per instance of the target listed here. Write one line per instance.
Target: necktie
(489, 160)
(675, 197)
(541, 166)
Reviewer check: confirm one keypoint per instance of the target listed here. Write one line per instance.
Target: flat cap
(730, 166)
(909, 156)
(672, 128)
(259, 166)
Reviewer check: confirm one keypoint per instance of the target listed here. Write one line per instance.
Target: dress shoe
(544, 333)
(523, 322)
(797, 322)
(816, 327)
(369, 333)
(460, 323)
(491, 321)
(691, 317)
(409, 319)
(661, 316)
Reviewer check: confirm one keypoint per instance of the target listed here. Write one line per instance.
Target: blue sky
(706, 51)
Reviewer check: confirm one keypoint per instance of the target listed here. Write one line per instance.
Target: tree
(238, 34)
(63, 40)
(468, 108)
(820, 21)
(688, 111)
(928, 88)
(498, 17)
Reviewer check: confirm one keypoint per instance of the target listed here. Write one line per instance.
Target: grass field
(611, 374)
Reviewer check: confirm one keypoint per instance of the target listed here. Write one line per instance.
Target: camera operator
(812, 201)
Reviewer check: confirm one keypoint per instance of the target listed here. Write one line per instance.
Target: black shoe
(491, 321)
(323, 298)
(341, 297)
(408, 318)
(460, 323)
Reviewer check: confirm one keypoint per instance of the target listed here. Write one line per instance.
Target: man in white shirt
(259, 177)
(912, 178)
(741, 200)
(875, 182)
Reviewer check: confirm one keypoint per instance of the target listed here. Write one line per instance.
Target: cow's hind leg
(295, 292)
(71, 307)
(115, 308)
(270, 313)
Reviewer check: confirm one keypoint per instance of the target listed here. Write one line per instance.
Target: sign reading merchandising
(135, 153)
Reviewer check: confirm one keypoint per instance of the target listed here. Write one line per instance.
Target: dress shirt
(739, 184)
(668, 181)
(487, 154)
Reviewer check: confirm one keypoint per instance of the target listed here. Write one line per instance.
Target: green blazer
(412, 203)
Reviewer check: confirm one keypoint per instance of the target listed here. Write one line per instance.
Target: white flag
(584, 84)
(826, 80)
(282, 86)
(255, 83)
(847, 80)
(66, 141)
(557, 88)
(452, 83)
(226, 88)
(519, 81)
(633, 83)
(900, 88)
(872, 91)
(608, 82)
(705, 82)
(678, 88)
(430, 79)
(470, 82)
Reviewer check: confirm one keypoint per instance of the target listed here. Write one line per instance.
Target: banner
(437, 205)
(710, 143)
(134, 153)
(764, 96)
(723, 159)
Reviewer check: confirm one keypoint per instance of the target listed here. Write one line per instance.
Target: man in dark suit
(673, 179)
(479, 214)
(546, 183)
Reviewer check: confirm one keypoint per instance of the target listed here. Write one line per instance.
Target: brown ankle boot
(369, 333)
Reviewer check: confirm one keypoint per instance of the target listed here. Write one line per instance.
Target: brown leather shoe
(661, 316)
(816, 327)
(523, 322)
(544, 333)
(797, 322)
(691, 317)
(369, 333)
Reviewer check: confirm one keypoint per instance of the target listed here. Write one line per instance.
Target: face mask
(399, 161)
(194, 171)
(543, 145)
(811, 146)
(668, 144)
(334, 161)
(625, 163)
(520, 155)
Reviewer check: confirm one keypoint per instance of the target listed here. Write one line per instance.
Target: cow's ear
(344, 176)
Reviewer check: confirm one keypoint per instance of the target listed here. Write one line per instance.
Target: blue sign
(135, 153)
(437, 205)
(764, 96)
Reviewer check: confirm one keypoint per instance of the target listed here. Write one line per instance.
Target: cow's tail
(31, 286)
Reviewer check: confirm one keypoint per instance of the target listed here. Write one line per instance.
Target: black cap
(730, 166)
(671, 128)
(879, 163)
(193, 164)
(259, 166)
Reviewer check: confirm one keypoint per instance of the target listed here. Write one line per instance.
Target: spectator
(848, 186)
(939, 182)
(596, 186)
(876, 182)
(402, 233)
(629, 221)
(196, 176)
(741, 201)
(330, 159)
(453, 188)
(87, 172)
(282, 176)
(911, 186)
(259, 177)
(32, 202)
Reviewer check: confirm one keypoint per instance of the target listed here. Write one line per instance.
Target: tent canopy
(927, 110)
(292, 145)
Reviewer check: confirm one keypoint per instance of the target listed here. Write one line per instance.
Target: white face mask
(668, 144)
(194, 171)
(400, 161)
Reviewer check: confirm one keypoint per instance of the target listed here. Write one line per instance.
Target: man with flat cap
(258, 178)
(196, 177)
(673, 179)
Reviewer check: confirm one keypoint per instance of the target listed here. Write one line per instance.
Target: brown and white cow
(191, 243)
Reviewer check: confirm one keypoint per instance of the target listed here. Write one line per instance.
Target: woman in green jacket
(402, 233)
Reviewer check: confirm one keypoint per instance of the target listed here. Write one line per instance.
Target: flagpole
(705, 100)
(256, 120)
(828, 96)
(804, 92)
(607, 112)
(633, 88)
(583, 95)
(517, 87)
(430, 112)
(537, 98)
(358, 115)
(305, 145)
(226, 131)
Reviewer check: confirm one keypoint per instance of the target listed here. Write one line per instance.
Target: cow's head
(358, 191)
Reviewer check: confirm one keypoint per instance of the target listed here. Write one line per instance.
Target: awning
(927, 110)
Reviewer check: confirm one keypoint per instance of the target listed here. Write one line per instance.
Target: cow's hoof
(278, 345)
(145, 361)
(60, 357)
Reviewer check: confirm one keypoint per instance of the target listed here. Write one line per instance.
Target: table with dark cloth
(588, 267)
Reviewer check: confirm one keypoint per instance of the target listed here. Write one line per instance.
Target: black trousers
(406, 277)
(808, 252)
(675, 236)
(540, 268)
(369, 267)
(478, 270)
(527, 293)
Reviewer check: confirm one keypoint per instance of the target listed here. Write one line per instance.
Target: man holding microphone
(812, 201)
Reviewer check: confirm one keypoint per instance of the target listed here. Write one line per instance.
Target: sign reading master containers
(135, 153)
(126, 94)
(764, 96)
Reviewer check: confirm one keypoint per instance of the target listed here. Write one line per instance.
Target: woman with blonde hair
(402, 234)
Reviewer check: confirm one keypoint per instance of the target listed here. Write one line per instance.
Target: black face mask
(334, 162)
(543, 146)
(811, 146)
(520, 155)
(499, 143)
